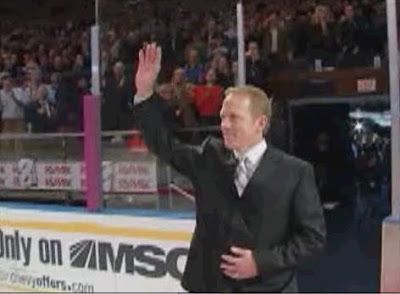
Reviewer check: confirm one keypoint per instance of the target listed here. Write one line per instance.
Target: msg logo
(101, 256)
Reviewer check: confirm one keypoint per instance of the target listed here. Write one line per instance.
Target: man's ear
(263, 121)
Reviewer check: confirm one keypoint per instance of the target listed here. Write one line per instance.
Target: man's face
(253, 50)
(349, 12)
(273, 20)
(36, 75)
(54, 78)
(192, 56)
(58, 62)
(79, 59)
(166, 92)
(178, 76)
(118, 71)
(240, 127)
(82, 83)
(6, 83)
(210, 76)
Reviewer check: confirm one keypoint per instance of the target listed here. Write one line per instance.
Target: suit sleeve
(308, 232)
(183, 157)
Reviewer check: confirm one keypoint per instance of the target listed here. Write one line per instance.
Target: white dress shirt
(9, 107)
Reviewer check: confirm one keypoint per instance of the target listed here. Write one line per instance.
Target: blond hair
(260, 103)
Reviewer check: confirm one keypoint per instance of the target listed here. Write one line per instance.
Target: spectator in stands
(193, 69)
(170, 106)
(10, 64)
(67, 59)
(78, 65)
(179, 84)
(35, 88)
(83, 90)
(105, 65)
(350, 38)
(52, 88)
(200, 46)
(298, 35)
(182, 95)
(39, 113)
(58, 64)
(348, 29)
(12, 105)
(208, 99)
(256, 68)
(322, 37)
(44, 65)
(275, 41)
(13, 67)
(224, 72)
(68, 104)
(210, 26)
(216, 45)
(117, 93)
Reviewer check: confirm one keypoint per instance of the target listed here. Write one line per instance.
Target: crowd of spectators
(45, 69)
(45, 65)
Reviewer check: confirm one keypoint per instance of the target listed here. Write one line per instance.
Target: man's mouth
(228, 136)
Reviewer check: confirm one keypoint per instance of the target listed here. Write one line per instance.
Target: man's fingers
(231, 274)
(238, 251)
(141, 55)
(141, 58)
(229, 259)
(147, 53)
(229, 270)
(152, 53)
(228, 267)
(158, 57)
(150, 56)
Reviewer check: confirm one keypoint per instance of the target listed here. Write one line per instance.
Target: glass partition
(199, 44)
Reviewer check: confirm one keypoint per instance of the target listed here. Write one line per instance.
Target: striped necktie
(242, 175)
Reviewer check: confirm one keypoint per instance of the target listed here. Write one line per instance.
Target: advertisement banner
(119, 176)
(75, 252)
(57, 176)
(135, 176)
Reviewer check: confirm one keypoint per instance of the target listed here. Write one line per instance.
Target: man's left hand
(239, 264)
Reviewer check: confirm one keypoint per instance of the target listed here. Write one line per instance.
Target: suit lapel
(264, 170)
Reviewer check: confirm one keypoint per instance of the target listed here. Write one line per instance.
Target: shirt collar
(253, 153)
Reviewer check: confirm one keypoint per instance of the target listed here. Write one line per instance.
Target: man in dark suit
(258, 213)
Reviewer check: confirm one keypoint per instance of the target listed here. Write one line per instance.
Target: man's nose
(224, 124)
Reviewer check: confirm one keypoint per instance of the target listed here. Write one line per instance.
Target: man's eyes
(230, 117)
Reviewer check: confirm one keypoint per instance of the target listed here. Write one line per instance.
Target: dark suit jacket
(279, 216)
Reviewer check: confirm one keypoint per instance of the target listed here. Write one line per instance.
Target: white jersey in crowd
(9, 103)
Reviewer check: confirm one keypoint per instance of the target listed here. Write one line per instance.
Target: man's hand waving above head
(148, 70)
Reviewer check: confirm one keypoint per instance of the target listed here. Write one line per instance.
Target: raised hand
(149, 67)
